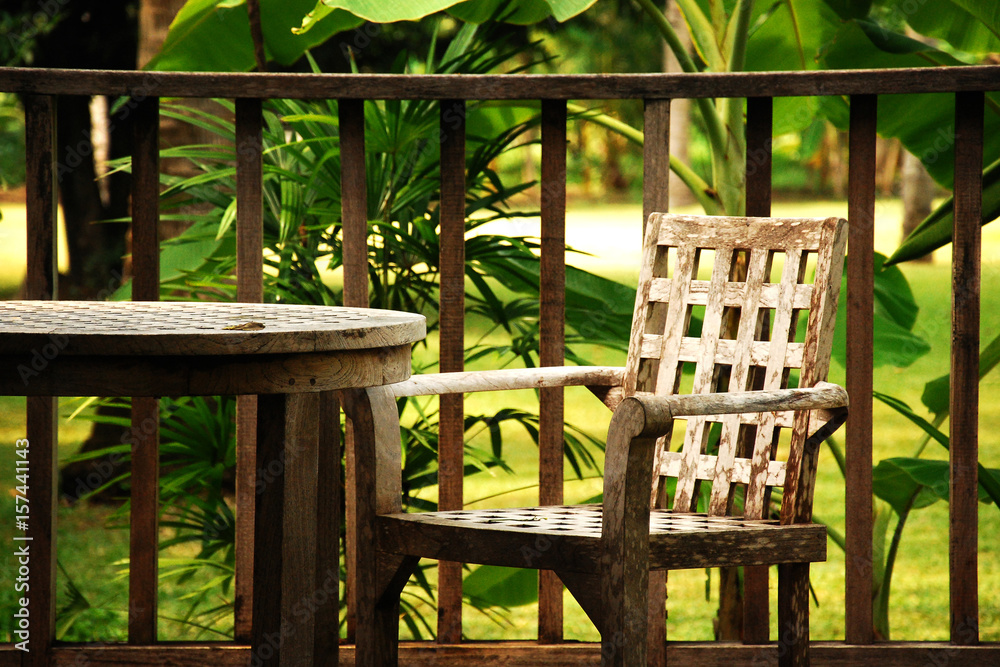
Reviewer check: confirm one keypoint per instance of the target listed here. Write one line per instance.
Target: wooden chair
(737, 403)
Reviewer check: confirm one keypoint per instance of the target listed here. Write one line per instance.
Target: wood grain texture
(354, 201)
(552, 333)
(41, 421)
(269, 531)
(374, 427)
(451, 435)
(498, 87)
(568, 538)
(144, 524)
(760, 126)
(354, 230)
(198, 328)
(249, 289)
(146, 201)
(656, 197)
(963, 535)
(655, 157)
(793, 615)
(246, 487)
(304, 589)
(530, 653)
(506, 379)
(40, 197)
(625, 539)
(328, 520)
(250, 202)
(206, 375)
(860, 313)
(42, 434)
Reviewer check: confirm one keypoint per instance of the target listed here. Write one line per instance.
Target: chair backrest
(746, 281)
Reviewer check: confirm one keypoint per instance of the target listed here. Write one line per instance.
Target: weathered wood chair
(743, 361)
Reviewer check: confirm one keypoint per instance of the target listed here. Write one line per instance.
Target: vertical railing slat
(760, 124)
(145, 431)
(552, 330)
(327, 620)
(354, 220)
(452, 341)
(41, 431)
(655, 157)
(860, 314)
(249, 289)
(656, 197)
(354, 202)
(963, 535)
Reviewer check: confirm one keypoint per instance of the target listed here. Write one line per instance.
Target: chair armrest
(659, 411)
(432, 384)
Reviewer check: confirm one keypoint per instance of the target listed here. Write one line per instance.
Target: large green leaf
(789, 36)
(501, 586)
(937, 392)
(214, 35)
(390, 11)
(896, 480)
(972, 26)
(989, 480)
(924, 123)
(895, 314)
(522, 12)
(935, 231)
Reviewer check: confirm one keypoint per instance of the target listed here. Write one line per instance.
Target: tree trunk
(93, 35)
(917, 191)
(680, 111)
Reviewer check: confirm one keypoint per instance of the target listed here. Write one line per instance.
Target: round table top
(198, 328)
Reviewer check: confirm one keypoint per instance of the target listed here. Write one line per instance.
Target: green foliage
(303, 245)
(11, 141)
(906, 484)
(477, 11)
(895, 314)
(214, 35)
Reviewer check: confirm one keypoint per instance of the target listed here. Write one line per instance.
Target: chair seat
(567, 537)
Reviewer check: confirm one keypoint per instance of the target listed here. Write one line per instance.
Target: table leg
(287, 592)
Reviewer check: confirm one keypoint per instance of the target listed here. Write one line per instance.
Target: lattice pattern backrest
(750, 294)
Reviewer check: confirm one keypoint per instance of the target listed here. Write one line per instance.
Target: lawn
(919, 607)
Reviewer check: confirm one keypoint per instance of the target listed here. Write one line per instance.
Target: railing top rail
(499, 86)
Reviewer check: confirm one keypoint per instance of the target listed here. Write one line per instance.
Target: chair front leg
(377, 632)
(793, 614)
(624, 566)
(373, 432)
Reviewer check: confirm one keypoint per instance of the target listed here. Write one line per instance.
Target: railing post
(354, 250)
(760, 126)
(451, 435)
(963, 535)
(249, 289)
(656, 197)
(145, 432)
(41, 431)
(552, 334)
(860, 314)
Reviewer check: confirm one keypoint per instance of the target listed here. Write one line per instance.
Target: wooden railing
(966, 84)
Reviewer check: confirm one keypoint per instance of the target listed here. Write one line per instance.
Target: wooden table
(284, 353)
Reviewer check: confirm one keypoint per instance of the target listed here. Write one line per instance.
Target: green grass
(919, 605)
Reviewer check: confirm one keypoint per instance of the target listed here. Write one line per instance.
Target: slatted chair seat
(721, 362)
(567, 537)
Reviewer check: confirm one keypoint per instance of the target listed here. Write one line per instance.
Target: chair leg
(793, 614)
(377, 633)
(624, 637)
